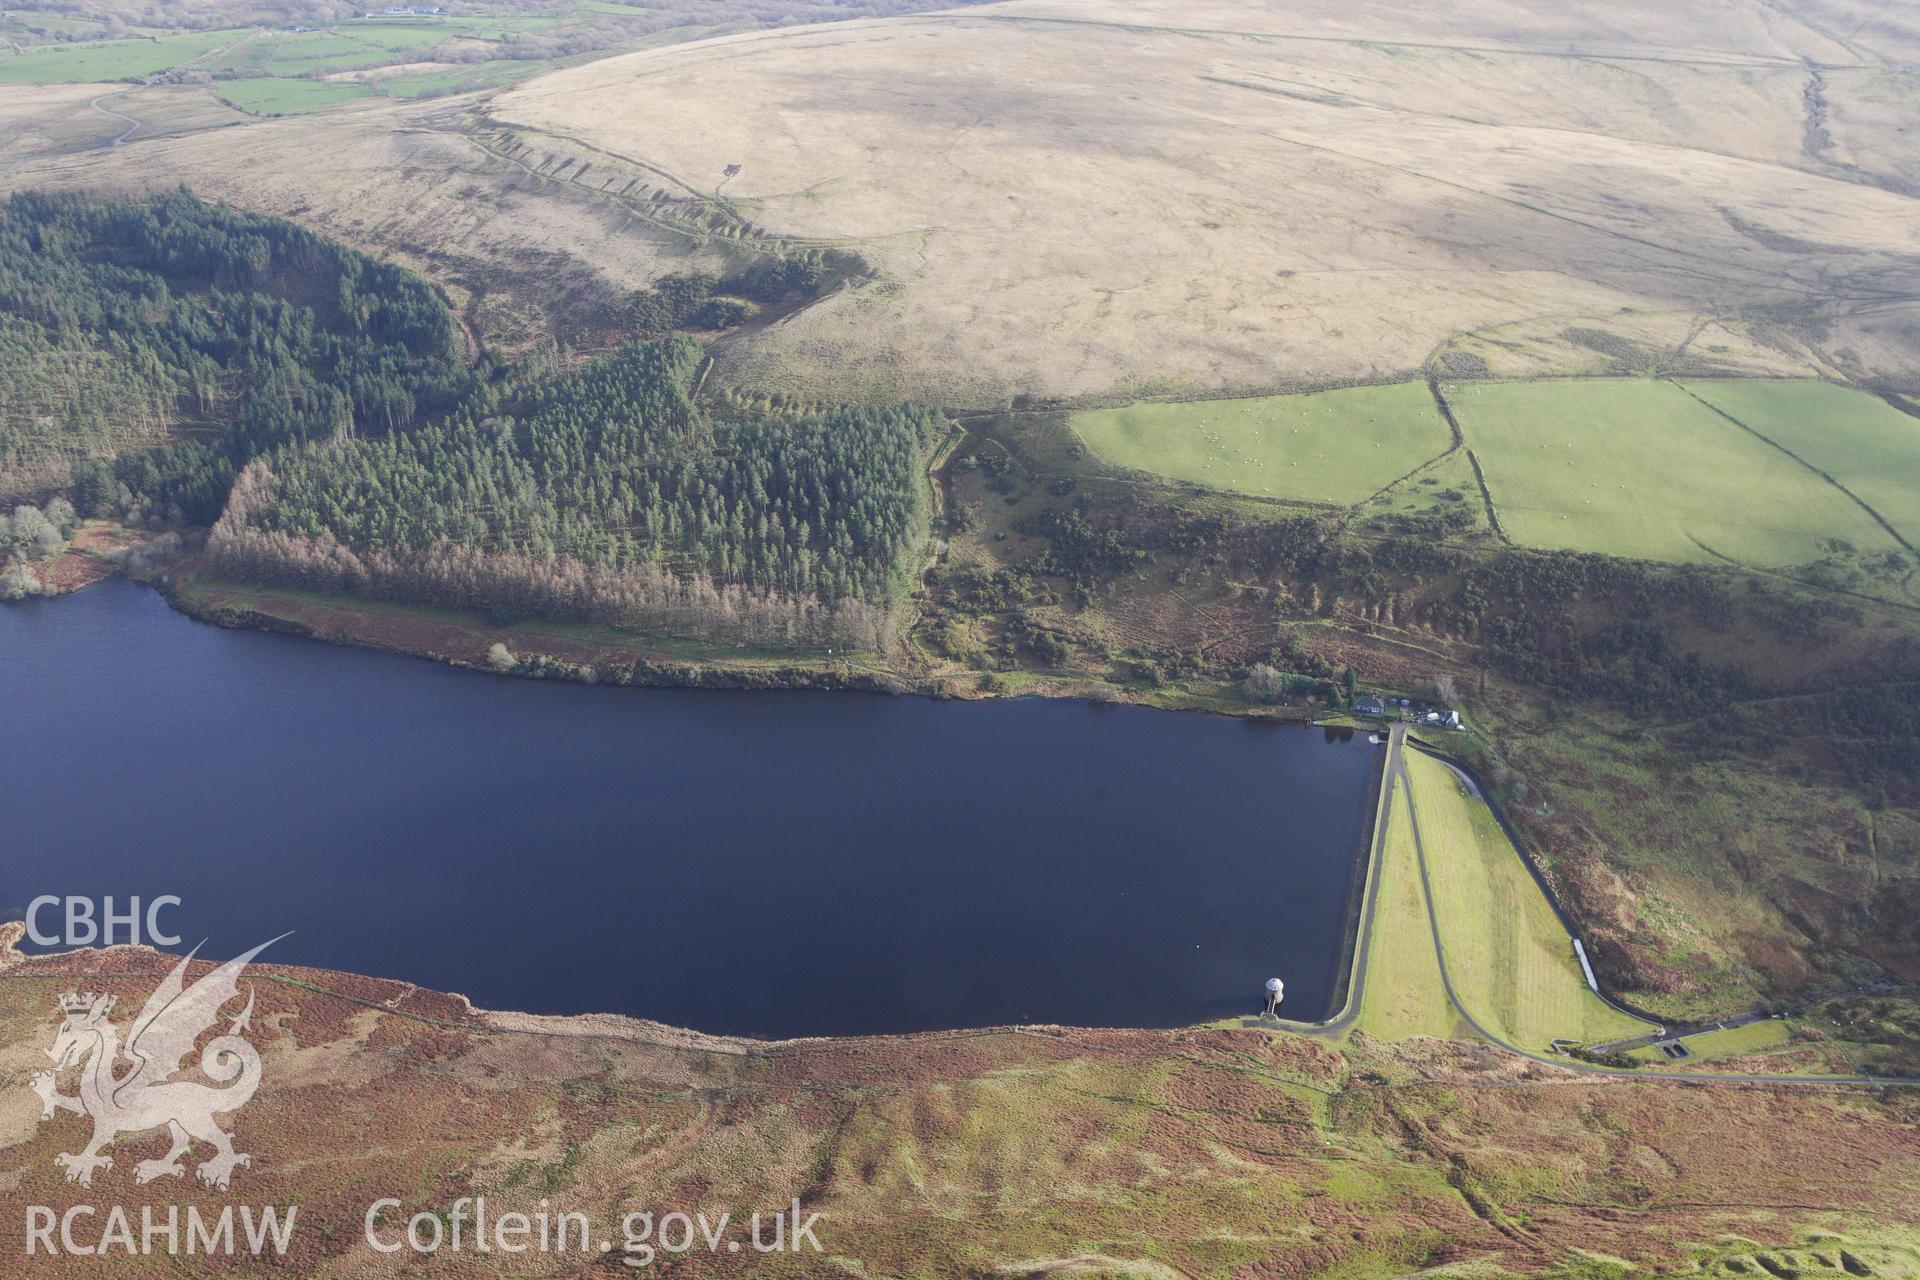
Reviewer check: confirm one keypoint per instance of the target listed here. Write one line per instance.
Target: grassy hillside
(1864, 443)
(1641, 469)
(1791, 473)
(1335, 446)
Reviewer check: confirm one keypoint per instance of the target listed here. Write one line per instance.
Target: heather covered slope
(1018, 1153)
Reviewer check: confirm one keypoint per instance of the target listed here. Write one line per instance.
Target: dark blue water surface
(761, 863)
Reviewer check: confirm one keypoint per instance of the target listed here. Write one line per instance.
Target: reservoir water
(761, 863)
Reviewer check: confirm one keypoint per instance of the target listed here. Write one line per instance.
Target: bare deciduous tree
(28, 532)
(18, 581)
(1265, 683)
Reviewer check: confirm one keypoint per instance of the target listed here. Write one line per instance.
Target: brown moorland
(1081, 199)
(1038, 1151)
(1077, 198)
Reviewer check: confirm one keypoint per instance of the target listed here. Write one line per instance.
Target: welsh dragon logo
(143, 1096)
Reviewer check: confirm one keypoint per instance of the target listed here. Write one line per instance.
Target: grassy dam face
(759, 863)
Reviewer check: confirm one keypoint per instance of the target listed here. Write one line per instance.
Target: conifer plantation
(189, 364)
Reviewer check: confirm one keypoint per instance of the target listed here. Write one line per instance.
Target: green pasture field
(356, 42)
(1642, 469)
(1860, 440)
(397, 35)
(107, 60)
(249, 55)
(1509, 958)
(351, 44)
(1328, 446)
(479, 75)
(321, 51)
(277, 97)
(494, 28)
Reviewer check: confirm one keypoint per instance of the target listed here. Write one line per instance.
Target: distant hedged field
(321, 408)
(277, 59)
(1776, 472)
